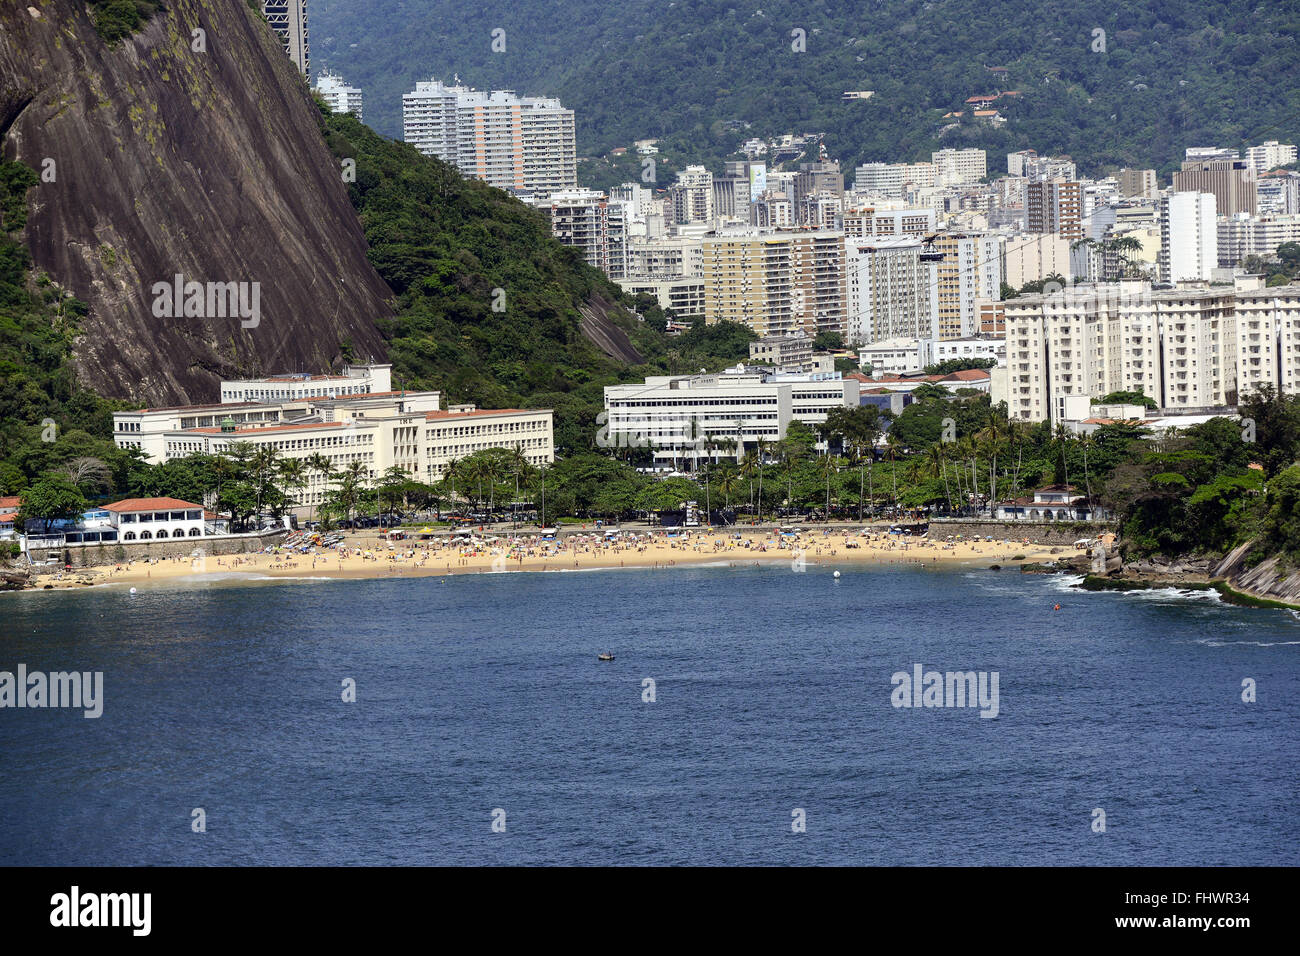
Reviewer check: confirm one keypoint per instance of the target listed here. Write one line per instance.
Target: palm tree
(748, 466)
(319, 464)
(828, 464)
(761, 450)
(293, 472)
(992, 435)
(518, 464)
(892, 447)
(455, 469)
(223, 469)
(788, 466)
(1062, 438)
(263, 467)
(351, 480)
(727, 480)
(937, 459)
(1085, 442)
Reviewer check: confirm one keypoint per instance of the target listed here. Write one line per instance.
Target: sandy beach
(366, 555)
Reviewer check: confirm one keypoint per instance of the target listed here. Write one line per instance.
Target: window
(145, 534)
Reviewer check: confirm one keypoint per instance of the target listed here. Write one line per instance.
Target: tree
(319, 465)
(88, 471)
(293, 475)
(52, 498)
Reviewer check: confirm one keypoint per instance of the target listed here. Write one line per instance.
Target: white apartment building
(1186, 348)
(871, 222)
(895, 356)
(1245, 235)
(892, 292)
(338, 96)
(1034, 257)
(511, 142)
(685, 419)
(894, 180)
(955, 167)
(684, 295)
(288, 18)
(1189, 237)
(1270, 155)
(1278, 194)
(975, 347)
(692, 195)
(665, 257)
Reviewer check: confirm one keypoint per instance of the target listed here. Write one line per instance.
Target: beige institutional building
(353, 417)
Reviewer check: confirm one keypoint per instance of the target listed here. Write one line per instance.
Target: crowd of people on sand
(365, 555)
(649, 548)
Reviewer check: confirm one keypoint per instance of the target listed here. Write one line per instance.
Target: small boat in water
(605, 657)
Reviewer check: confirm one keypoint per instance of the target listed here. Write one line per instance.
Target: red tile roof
(149, 504)
(967, 375)
(9, 501)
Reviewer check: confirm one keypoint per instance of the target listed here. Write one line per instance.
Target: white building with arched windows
(149, 519)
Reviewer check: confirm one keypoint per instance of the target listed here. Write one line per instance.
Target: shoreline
(364, 556)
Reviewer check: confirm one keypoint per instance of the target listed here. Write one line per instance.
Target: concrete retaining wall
(1037, 532)
(119, 552)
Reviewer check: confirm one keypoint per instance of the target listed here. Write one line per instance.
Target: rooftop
(149, 504)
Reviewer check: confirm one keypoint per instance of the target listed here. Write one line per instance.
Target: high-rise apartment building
(776, 282)
(1231, 181)
(956, 167)
(1179, 347)
(893, 180)
(869, 221)
(1033, 258)
(892, 291)
(1137, 183)
(692, 196)
(1270, 155)
(1189, 238)
(340, 97)
(967, 270)
(580, 218)
(1055, 206)
(508, 141)
(1240, 236)
(1277, 193)
(288, 18)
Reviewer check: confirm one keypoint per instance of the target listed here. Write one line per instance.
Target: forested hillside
(708, 75)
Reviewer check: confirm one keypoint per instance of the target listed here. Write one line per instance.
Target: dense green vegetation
(706, 76)
(47, 419)
(115, 19)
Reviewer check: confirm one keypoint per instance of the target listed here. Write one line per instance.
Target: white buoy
(133, 590)
(837, 574)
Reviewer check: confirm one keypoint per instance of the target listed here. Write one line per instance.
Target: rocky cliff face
(182, 153)
(1269, 579)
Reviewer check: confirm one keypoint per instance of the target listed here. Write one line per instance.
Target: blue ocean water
(772, 692)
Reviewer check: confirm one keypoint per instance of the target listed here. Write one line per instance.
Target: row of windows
(148, 516)
(162, 533)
